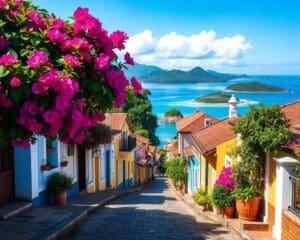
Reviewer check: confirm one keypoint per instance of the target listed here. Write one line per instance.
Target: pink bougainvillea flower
(14, 13)
(118, 38)
(55, 35)
(3, 43)
(72, 60)
(102, 62)
(137, 85)
(3, 3)
(39, 88)
(37, 20)
(128, 59)
(37, 59)
(17, 2)
(81, 14)
(62, 103)
(5, 101)
(58, 23)
(21, 142)
(15, 82)
(97, 118)
(7, 59)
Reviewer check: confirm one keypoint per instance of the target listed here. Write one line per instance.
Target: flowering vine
(57, 78)
(226, 179)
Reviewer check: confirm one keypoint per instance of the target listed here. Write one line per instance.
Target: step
(13, 209)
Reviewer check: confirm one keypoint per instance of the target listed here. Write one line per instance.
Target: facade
(35, 165)
(282, 183)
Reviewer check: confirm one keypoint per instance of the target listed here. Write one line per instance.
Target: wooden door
(6, 175)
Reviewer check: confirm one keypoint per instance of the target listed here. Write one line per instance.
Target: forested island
(172, 115)
(255, 87)
(216, 97)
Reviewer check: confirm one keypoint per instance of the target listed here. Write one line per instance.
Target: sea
(181, 96)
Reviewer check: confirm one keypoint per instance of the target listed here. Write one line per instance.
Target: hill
(216, 97)
(152, 74)
(256, 87)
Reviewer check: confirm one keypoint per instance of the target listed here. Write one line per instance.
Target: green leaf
(4, 71)
(24, 52)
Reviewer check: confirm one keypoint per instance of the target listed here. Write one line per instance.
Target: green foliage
(202, 198)
(222, 198)
(263, 131)
(140, 113)
(246, 193)
(162, 160)
(173, 112)
(254, 87)
(142, 132)
(177, 170)
(216, 97)
(99, 134)
(59, 182)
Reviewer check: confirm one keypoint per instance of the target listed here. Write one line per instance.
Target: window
(52, 152)
(227, 161)
(70, 150)
(207, 122)
(113, 159)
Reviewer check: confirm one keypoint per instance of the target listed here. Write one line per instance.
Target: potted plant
(229, 206)
(218, 198)
(58, 184)
(247, 202)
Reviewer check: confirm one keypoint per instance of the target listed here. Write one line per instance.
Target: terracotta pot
(229, 211)
(60, 199)
(247, 209)
(218, 211)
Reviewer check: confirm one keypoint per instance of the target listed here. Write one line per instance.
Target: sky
(236, 36)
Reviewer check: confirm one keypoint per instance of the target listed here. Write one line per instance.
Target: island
(255, 87)
(216, 97)
(172, 116)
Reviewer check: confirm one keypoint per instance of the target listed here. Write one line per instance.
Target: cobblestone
(154, 213)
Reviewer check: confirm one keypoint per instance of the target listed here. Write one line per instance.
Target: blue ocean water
(182, 96)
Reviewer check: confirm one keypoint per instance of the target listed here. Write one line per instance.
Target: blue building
(193, 174)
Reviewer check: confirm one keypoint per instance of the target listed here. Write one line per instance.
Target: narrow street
(154, 213)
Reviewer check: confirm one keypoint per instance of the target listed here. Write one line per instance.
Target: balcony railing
(295, 207)
(128, 144)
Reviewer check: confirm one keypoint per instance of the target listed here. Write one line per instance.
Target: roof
(193, 122)
(115, 121)
(208, 138)
(141, 140)
(292, 113)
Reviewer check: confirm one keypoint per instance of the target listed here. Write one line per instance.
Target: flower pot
(229, 211)
(45, 167)
(218, 210)
(60, 199)
(64, 163)
(247, 209)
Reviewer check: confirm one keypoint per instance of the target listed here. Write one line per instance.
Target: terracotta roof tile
(208, 138)
(194, 122)
(292, 112)
(115, 121)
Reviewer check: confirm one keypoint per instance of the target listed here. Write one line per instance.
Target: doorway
(124, 173)
(6, 175)
(107, 168)
(81, 168)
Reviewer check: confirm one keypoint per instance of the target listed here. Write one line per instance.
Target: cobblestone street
(154, 213)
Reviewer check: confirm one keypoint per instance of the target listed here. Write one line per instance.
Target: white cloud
(184, 52)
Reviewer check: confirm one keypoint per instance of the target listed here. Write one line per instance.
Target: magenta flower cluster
(226, 179)
(59, 78)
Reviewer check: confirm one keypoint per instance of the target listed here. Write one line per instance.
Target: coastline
(232, 91)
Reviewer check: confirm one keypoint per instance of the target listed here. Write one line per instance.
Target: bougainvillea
(58, 77)
(226, 179)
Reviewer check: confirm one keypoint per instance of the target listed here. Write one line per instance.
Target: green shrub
(59, 182)
(177, 170)
(246, 193)
(222, 198)
(202, 198)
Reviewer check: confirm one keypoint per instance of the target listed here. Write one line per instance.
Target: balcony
(127, 144)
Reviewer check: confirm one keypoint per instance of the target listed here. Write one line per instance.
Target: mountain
(255, 87)
(152, 74)
(227, 76)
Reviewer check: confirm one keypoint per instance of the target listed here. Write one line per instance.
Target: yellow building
(212, 148)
